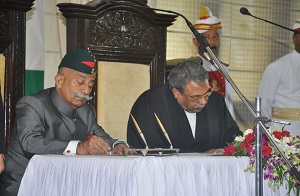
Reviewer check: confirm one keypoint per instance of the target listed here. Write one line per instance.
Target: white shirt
(279, 88)
(192, 120)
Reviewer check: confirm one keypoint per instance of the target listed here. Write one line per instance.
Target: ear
(196, 43)
(176, 92)
(59, 80)
(294, 39)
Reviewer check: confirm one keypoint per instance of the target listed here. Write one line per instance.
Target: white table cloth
(182, 175)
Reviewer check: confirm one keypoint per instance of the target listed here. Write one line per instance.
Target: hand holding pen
(93, 145)
(118, 149)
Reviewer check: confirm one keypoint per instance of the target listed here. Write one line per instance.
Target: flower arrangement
(275, 170)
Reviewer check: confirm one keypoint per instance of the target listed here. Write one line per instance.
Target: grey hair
(185, 72)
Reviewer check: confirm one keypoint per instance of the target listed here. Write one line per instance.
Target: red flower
(266, 150)
(250, 137)
(277, 134)
(285, 134)
(244, 144)
(229, 150)
(265, 137)
(249, 148)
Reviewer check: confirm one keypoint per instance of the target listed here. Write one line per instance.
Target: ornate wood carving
(123, 30)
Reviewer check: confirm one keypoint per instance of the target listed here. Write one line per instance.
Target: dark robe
(214, 124)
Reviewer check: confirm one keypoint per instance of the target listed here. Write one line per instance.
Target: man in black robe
(195, 118)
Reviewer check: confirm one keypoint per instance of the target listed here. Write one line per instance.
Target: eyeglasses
(198, 97)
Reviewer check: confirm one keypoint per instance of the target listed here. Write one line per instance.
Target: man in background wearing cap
(194, 116)
(58, 121)
(209, 26)
(279, 88)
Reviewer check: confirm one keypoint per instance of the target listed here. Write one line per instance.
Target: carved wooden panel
(122, 36)
(123, 30)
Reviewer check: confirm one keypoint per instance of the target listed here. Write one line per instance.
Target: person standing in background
(279, 88)
(210, 26)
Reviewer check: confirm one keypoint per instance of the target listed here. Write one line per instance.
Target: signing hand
(219, 151)
(120, 149)
(94, 145)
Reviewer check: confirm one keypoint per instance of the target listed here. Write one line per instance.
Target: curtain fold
(35, 48)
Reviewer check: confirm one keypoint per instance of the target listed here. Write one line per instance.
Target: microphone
(245, 11)
(204, 45)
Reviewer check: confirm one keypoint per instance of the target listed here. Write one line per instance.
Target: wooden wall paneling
(12, 45)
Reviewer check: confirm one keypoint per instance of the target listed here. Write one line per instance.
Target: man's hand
(94, 145)
(1, 163)
(219, 151)
(120, 149)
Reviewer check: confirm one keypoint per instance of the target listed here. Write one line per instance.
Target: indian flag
(35, 48)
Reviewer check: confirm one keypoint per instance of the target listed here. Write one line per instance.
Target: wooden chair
(121, 34)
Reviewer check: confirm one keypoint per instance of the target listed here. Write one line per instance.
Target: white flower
(277, 140)
(248, 131)
(239, 138)
(286, 140)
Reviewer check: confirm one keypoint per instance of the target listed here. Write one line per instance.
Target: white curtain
(55, 28)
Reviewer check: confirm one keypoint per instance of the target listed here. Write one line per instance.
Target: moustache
(213, 47)
(83, 96)
(199, 106)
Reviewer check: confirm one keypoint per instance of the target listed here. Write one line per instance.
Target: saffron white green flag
(35, 48)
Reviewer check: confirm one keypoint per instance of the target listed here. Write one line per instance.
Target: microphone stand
(260, 121)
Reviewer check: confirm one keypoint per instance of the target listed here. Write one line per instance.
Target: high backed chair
(12, 61)
(129, 42)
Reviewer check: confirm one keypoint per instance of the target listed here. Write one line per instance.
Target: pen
(139, 130)
(96, 134)
(163, 130)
